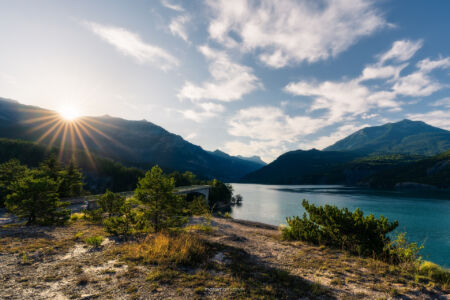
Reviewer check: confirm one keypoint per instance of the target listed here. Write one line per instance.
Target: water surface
(426, 219)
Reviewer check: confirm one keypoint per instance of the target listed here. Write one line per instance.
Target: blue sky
(247, 77)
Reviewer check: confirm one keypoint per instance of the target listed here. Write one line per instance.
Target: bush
(167, 249)
(126, 222)
(435, 272)
(198, 206)
(95, 241)
(403, 252)
(94, 215)
(77, 216)
(340, 228)
(111, 203)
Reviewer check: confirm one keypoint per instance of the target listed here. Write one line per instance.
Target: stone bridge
(90, 202)
(198, 189)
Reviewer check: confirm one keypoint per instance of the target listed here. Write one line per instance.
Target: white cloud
(269, 130)
(172, 6)
(205, 111)
(428, 65)
(444, 102)
(401, 51)
(342, 98)
(267, 150)
(230, 80)
(287, 31)
(356, 97)
(328, 140)
(191, 136)
(178, 26)
(438, 118)
(131, 44)
(419, 83)
(271, 123)
(378, 71)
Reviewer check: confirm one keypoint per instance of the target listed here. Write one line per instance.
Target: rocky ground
(245, 260)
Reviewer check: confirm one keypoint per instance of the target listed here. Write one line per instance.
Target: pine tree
(111, 203)
(70, 181)
(34, 197)
(10, 171)
(163, 209)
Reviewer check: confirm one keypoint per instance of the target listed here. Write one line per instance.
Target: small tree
(70, 181)
(51, 168)
(111, 203)
(163, 209)
(126, 222)
(34, 197)
(10, 171)
(220, 195)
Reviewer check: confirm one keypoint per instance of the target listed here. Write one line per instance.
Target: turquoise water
(426, 219)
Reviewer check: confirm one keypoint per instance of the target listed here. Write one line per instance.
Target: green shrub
(94, 215)
(126, 222)
(403, 252)
(435, 272)
(198, 206)
(111, 203)
(95, 241)
(340, 228)
(77, 216)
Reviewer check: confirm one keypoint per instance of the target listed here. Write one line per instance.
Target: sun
(69, 113)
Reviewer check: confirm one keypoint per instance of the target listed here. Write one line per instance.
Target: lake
(426, 219)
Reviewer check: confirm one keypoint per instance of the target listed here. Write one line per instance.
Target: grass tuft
(95, 241)
(163, 248)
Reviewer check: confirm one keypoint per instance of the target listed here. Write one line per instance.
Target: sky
(247, 77)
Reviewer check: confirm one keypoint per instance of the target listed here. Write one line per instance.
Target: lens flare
(69, 113)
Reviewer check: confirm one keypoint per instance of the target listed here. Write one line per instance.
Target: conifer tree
(163, 209)
(10, 171)
(34, 196)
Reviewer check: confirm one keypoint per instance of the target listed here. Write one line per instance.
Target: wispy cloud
(327, 140)
(292, 31)
(438, 118)
(230, 80)
(444, 102)
(203, 111)
(352, 97)
(172, 6)
(401, 51)
(269, 130)
(131, 44)
(178, 26)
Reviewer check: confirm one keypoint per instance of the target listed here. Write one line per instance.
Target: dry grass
(163, 248)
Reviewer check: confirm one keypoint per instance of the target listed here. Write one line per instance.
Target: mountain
(433, 171)
(102, 174)
(253, 158)
(409, 137)
(301, 167)
(134, 143)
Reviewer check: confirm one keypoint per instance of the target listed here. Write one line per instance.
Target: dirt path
(56, 263)
(348, 276)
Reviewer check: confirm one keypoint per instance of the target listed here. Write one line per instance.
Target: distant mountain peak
(253, 158)
(406, 136)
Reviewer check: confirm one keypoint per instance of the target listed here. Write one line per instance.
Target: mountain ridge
(406, 136)
(133, 143)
